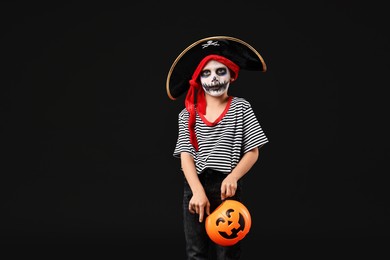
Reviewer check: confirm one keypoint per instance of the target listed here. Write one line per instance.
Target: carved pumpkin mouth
(235, 230)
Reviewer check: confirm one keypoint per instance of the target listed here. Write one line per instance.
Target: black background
(88, 130)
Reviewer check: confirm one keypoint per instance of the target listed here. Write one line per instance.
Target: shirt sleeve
(183, 143)
(253, 134)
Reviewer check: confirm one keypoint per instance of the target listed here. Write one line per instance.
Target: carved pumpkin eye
(219, 220)
(228, 223)
(228, 212)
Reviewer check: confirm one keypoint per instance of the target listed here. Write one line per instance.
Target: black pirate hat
(236, 50)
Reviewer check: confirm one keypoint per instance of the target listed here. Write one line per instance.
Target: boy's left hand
(228, 187)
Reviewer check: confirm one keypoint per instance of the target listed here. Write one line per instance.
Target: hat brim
(238, 51)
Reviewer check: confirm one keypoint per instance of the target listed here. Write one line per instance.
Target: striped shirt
(222, 143)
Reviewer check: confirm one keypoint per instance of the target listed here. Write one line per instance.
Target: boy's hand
(228, 187)
(199, 204)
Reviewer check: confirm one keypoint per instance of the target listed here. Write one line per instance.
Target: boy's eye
(221, 71)
(205, 73)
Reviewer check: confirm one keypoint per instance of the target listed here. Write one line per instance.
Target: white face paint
(215, 78)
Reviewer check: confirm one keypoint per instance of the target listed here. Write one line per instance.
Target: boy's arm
(229, 184)
(199, 202)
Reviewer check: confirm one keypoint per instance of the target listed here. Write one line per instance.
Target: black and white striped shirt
(222, 144)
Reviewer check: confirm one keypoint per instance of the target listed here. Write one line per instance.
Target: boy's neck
(217, 101)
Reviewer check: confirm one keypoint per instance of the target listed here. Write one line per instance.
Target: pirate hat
(236, 50)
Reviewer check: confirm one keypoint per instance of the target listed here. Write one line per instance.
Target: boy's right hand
(199, 204)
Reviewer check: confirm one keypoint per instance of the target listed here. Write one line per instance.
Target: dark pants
(198, 245)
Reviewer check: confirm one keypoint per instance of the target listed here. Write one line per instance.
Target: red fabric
(196, 96)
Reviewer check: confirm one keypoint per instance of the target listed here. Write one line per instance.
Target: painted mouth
(218, 87)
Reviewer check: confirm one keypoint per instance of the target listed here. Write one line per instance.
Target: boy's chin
(216, 93)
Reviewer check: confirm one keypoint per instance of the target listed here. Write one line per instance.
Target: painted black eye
(205, 73)
(221, 71)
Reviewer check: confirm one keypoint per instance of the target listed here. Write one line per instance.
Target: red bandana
(200, 100)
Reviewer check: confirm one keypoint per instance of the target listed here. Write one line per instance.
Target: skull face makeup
(215, 78)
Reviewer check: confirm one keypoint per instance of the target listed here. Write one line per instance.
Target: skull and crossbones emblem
(210, 42)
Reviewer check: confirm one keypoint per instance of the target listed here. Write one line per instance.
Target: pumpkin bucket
(228, 223)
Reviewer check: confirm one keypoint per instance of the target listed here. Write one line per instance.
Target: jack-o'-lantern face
(229, 223)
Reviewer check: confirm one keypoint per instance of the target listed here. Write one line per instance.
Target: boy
(219, 135)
